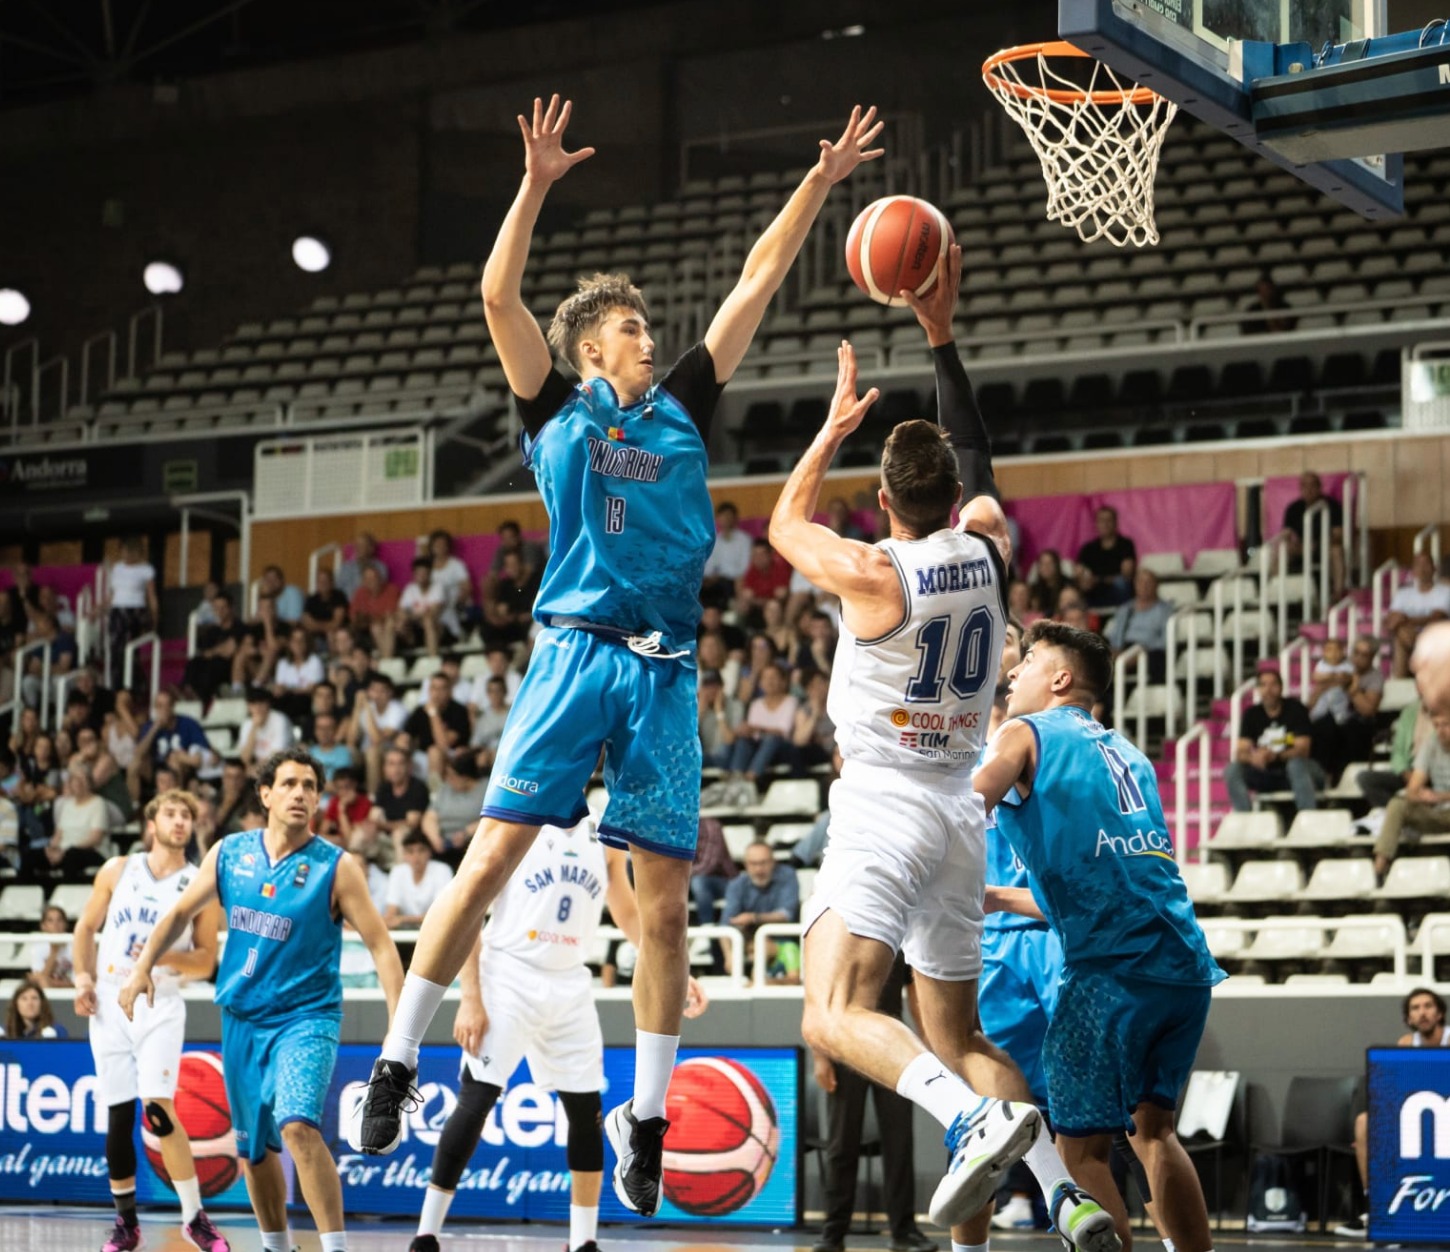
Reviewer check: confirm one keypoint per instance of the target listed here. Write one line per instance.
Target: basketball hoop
(1098, 143)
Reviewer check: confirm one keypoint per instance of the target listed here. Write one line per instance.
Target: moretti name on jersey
(958, 576)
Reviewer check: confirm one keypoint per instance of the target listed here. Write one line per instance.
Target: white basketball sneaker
(984, 1144)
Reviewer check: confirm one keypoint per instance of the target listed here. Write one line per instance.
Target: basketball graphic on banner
(723, 1140)
(203, 1111)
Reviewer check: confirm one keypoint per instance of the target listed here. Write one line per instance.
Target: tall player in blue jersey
(1088, 824)
(285, 893)
(620, 459)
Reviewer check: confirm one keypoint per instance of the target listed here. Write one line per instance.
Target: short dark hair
(259, 695)
(920, 476)
(223, 595)
(376, 676)
(1272, 672)
(422, 562)
(1087, 653)
(346, 773)
(298, 755)
(416, 839)
(583, 312)
(1422, 991)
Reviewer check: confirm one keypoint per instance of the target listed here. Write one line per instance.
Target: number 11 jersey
(919, 697)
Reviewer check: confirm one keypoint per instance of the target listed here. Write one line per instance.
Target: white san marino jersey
(548, 912)
(139, 901)
(920, 696)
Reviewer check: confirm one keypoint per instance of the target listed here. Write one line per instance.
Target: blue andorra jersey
(1094, 840)
(631, 523)
(1005, 868)
(284, 942)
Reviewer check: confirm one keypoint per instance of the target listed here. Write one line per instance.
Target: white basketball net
(1098, 144)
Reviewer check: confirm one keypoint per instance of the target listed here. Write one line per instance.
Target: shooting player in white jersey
(922, 620)
(142, 1057)
(526, 991)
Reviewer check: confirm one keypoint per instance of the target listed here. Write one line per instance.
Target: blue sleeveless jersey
(284, 944)
(1095, 843)
(631, 522)
(1005, 868)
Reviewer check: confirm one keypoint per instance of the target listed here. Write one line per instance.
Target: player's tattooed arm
(88, 925)
(201, 892)
(1011, 761)
(355, 903)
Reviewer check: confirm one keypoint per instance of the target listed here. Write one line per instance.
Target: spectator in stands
(1046, 583)
(840, 519)
(24, 595)
(378, 715)
(400, 800)
(510, 539)
(233, 796)
(728, 560)
(415, 884)
(454, 807)
(500, 663)
(171, 739)
(103, 699)
(1311, 492)
(267, 729)
(1143, 621)
(130, 597)
(774, 627)
(1424, 806)
(1413, 607)
(122, 736)
(710, 876)
(448, 572)
(710, 653)
(30, 1015)
(1268, 307)
(712, 622)
(279, 608)
(419, 609)
(220, 653)
(815, 649)
(1412, 727)
(1273, 749)
(762, 738)
(50, 963)
(297, 672)
(1343, 701)
(61, 648)
(760, 658)
(437, 727)
(324, 703)
(82, 823)
(325, 609)
(488, 723)
(1106, 563)
(364, 557)
(374, 609)
(107, 776)
(767, 892)
(347, 815)
(717, 726)
(508, 616)
(326, 747)
(1019, 603)
(1431, 666)
(813, 737)
(767, 577)
(59, 607)
(1072, 610)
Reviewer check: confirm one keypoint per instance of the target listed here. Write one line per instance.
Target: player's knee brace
(158, 1121)
(1123, 1150)
(460, 1133)
(120, 1140)
(585, 1111)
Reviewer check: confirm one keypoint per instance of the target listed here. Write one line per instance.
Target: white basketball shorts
(905, 864)
(140, 1057)
(545, 1015)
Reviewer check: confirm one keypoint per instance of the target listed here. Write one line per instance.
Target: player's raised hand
(133, 989)
(696, 1001)
(470, 1024)
(936, 309)
(847, 409)
(854, 146)
(544, 157)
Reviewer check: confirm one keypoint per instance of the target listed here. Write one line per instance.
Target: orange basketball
(206, 1116)
(896, 245)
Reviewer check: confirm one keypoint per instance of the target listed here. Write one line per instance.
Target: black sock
(126, 1205)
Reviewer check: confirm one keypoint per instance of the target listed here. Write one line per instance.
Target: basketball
(203, 1111)
(723, 1138)
(896, 245)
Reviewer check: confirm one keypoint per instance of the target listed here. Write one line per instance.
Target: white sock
(929, 1084)
(416, 1008)
(1046, 1166)
(333, 1241)
(435, 1210)
(654, 1062)
(1168, 1246)
(583, 1224)
(189, 1193)
(276, 1241)
(970, 1247)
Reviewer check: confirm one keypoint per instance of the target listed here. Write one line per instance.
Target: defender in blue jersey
(285, 893)
(1086, 820)
(620, 458)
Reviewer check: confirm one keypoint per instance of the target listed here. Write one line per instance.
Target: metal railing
(17, 696)
(1249, 687)
(1425, 942)
(1429, 535)
(762, 937)
(1296, 648)
(1382, 586)
(1137, 655)
(1197, 733)
(1318, 512)
(1189, 616)
(1343, 620)
(1236, 578)
(128, 666)
(314, 562)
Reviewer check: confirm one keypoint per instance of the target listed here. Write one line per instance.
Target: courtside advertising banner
(1409, 1145)
(730, 1155)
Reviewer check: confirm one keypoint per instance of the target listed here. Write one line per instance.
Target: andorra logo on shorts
(900, 718)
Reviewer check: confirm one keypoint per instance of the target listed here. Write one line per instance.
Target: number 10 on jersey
(970, 659)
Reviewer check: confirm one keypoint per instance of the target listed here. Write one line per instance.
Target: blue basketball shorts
(581, 694)
(1115, 1043)
(276, 1072)
(1017, 994)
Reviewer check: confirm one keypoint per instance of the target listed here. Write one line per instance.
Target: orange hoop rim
(1058, 95)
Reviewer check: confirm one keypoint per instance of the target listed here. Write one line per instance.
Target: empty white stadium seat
(1437, 927)
(395, 667)
(738, 837)
(1162, 563)
(1224, 940)
(789, 795)
(1317, 828)
(1416, 878)
(22, 903)
(1210, 562)
(1206, 883)
(1399, 692)
(1286, 943)
(1333, 879)
(806, 878)
(1316, 980)
(1248, 830)
(1361, 942)
(1265, 881)
(230, 711)
(71, 898)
